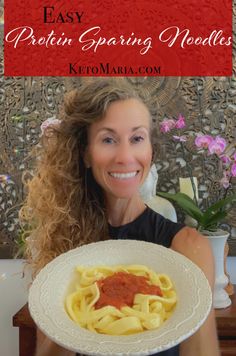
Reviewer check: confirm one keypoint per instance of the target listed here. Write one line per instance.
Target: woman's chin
(127, 194)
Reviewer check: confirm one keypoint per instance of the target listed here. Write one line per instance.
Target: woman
(86, 188)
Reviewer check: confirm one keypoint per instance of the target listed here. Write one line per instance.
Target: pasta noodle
(87, 307)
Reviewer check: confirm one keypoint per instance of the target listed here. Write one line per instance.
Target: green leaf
(220, 204)
(217, 212)
(185, 203)
(211, 221)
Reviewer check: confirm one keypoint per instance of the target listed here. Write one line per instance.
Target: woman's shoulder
(193, 245)
(189, 238)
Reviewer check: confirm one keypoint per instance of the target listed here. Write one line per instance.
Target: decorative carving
(208, 103)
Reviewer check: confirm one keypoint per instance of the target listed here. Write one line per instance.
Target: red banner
(118, 38)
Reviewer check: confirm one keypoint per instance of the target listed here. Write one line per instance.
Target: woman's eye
(108, 140)
(137, 139)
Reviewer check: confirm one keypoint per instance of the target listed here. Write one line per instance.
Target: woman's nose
(124, 154)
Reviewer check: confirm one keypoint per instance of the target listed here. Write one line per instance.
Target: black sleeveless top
(151, 227)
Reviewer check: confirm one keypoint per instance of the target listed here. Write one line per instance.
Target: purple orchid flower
(203, 141)
(225, 159)
(225, 180)
(51, 122)
(180, 138)
(233, 169)
(180, 123)
(167, 125)
(217, 146)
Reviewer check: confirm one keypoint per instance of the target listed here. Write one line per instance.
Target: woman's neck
(123, 211)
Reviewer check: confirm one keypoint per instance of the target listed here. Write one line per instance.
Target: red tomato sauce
(119, 289)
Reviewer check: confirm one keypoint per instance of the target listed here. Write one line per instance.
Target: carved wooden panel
(208, 103)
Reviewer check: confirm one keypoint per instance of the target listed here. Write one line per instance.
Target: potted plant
(207, 220)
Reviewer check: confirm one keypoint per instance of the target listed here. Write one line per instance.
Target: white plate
(48, 291)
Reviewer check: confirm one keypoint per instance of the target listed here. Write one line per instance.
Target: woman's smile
(127, 175)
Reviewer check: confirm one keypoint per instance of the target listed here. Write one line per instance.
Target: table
(225, 318)
(226, 327)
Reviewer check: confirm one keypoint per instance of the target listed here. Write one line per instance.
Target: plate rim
(74, 252)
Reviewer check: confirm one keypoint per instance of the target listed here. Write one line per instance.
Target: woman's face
(119, 149)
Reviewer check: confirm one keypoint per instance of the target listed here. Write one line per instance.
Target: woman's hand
(194, 246)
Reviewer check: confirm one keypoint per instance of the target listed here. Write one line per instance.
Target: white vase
(217, 241)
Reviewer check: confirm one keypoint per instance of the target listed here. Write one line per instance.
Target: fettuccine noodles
(146, 312)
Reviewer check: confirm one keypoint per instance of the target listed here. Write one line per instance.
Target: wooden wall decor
(208, 103)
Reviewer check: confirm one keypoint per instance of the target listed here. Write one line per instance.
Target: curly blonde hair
(64, 206)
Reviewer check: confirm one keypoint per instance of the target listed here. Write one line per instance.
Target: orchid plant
(206, 219)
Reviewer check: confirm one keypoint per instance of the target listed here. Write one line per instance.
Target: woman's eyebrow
(139, 127)
(114, 131)
(106, 129)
